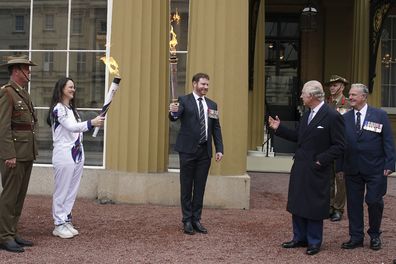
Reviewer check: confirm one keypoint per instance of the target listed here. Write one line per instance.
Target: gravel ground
(122, 233)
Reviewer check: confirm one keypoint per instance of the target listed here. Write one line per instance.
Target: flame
(111, 64)
(175, 17)
(173, 37)
(173, 41)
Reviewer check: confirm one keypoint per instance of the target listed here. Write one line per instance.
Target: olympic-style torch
(173, 58)
(113, 68)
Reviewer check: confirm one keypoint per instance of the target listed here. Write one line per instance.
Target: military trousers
(337, 194)
(15, 183)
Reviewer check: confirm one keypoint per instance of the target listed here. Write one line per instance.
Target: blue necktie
(202, 137)
(310, 117)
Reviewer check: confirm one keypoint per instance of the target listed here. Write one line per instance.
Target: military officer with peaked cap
(18, 149)
(339, 102)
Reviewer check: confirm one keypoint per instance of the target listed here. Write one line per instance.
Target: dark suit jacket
(188, 137)
(322, 140)
(368, 152)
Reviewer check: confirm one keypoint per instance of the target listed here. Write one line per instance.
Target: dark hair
(57, 98)
(200, 75)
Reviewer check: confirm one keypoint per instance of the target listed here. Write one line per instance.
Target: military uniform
(337, 186)
(17, 140)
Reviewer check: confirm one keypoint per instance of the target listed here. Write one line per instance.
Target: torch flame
(173, 41)
(111, 64)
(173, 37)
(175, 17)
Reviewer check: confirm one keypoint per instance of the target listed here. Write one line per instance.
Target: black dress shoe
(375, 243)
(294, 244)
(199, 227)
(312, 250)
(12, 246)
(352, 244)
(336, 216)
(188, 229)
(23, 242)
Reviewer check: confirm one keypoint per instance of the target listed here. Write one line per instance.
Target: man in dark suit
(369, 158)
(320, 140)
(199, 120)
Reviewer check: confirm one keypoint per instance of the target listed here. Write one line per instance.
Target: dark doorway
(282, 73)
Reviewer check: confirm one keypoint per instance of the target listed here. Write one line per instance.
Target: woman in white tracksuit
(68, 154)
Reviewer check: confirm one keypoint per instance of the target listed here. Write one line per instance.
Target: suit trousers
(307, 230)
(375, 187)
(194, 168)
(337, 194)
(15, 182)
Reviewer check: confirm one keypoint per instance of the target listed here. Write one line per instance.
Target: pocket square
(320, 127)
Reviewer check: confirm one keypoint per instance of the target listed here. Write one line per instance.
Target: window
(81, 61)
(388, 65)
(19, 23)
(102, 25)
(48, 62)
(77, 25)
(57, 54)
(49, 22)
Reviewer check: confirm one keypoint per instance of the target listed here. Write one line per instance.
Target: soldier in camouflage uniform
(340, 103)
(18, 150)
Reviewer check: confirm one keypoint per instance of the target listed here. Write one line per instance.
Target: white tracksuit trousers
(67, 181)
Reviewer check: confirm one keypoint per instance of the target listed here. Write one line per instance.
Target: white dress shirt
(205, 106)
(363, 113)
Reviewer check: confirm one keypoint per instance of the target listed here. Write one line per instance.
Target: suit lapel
(317, 118)
(303, 126)
(304, 119)
(368, 115)
(349, 119)
(210, 106)
(194, 105)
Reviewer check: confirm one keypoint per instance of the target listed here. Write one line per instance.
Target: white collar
(316, 109)
(197, 97)
(363, 111)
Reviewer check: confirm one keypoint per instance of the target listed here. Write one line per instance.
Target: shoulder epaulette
(5, 86)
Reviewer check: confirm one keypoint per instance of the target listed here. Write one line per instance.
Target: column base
(164, 189)
(146, 188)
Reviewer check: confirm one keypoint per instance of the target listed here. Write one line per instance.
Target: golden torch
(173, 58)
(112, 65)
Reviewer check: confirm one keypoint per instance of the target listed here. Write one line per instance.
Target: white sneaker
(71, 228)
(62, 231)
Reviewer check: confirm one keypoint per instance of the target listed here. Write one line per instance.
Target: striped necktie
(358, 121)
(202, 137)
